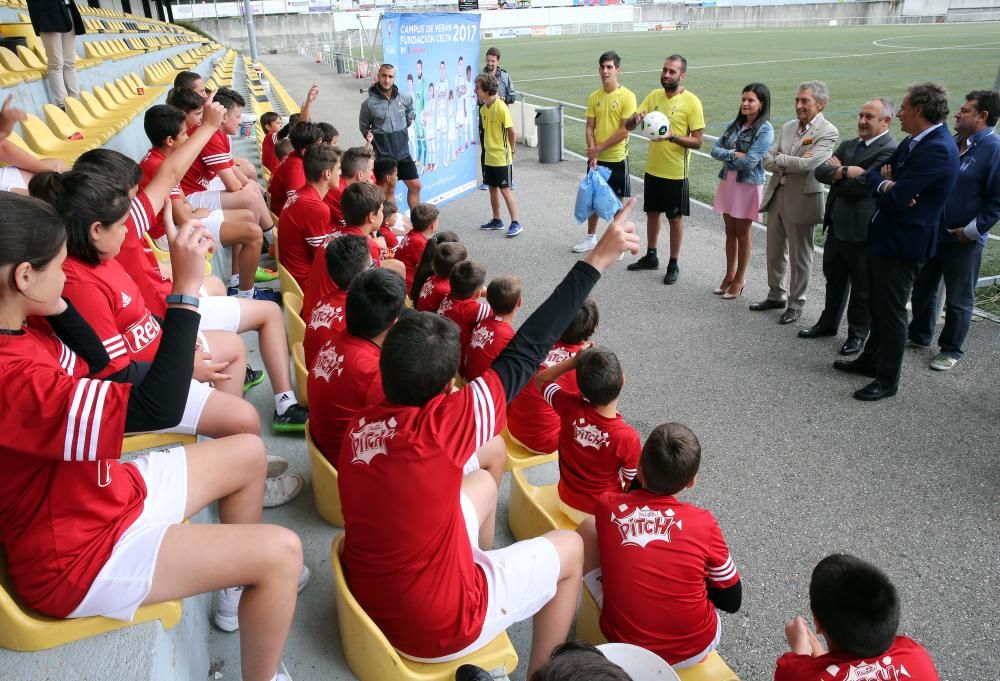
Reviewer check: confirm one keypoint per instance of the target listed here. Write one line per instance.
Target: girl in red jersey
(85, 534)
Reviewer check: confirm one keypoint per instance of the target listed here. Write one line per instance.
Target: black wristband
(178, 299)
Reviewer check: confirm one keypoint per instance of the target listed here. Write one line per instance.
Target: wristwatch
(177, 299)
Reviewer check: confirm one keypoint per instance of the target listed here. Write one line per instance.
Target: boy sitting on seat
(270, 123)
(436, 288)
(355, 166)
(463, 305)
(413, 556)
(291, 175)
(856, 609)
(658, 567)
(362, 205)
(598, 450)
(491, 335)
(424, 218)
(305, 221)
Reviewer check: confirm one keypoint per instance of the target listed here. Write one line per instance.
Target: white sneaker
(227, 608)
(276, 465)
(282, 489)
(282, 674)
(303, 578)
(587, 244)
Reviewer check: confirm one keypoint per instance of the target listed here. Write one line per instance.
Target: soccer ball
(655, 125)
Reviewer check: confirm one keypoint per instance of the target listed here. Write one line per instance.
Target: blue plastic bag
(595, 196)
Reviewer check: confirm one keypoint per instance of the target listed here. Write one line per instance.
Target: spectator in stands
(58, 23)
(386, 172)
(491, 335)
(356, 165)
(570, 661)
(390, 215)
(424, 219)
(270, 123)
(305, 222)
(432, 282)
(192, 80)
(506, 93)
(386, 116)
(290, 176)
(328, 134)
(282, 148)
(464, 305)
(741, 148)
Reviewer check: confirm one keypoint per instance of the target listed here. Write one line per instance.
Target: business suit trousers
(889, 284)
(957, 263)
(60, 51)
(845, 266)
(790, 246)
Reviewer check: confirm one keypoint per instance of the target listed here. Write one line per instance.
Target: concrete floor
(793, 467)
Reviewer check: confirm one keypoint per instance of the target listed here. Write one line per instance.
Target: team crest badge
(426, 289)
(325, 315)
(446, 305)
(328, 363)
(481, 337)
(880, 670)
(645, 525)
(589, 435)
(557, 355)
(369, 441)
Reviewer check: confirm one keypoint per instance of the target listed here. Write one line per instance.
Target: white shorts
(213, 223)
(197, 397)
(125, 580)
(11, 178)
(520, 580)
(216, 185)
(471, 466)
(212, 200)
(219, 313)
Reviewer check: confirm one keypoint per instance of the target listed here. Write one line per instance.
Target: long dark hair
(764, 95)
(425, 267)
(31, 231)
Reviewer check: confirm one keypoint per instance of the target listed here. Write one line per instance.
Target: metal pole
(251, 34)
(996, 83)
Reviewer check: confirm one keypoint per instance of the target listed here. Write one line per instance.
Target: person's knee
(251, 455)
(285, 553)
(481, 490)
(569, 546)
(245, 418)
(493, 454)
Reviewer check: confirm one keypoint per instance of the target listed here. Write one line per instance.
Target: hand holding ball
(655, 126)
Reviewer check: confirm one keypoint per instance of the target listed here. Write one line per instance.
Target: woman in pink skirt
(741, 148)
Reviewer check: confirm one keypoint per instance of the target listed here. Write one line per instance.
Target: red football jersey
(391, 240)
(466, 313)
(373, 248)
(303, 228)
(64, 498)
(112, 304)
(906, 660)
(327, 319)
(137, 257)
(215, 156)
(408, 556)
(286, 180)
(267, 156)
(434, 290)
(149, 165)
(332, 200)
(343, 380)
(530, 419)
(410, 251)
(596, 454)
(656, 555)
(488, 340)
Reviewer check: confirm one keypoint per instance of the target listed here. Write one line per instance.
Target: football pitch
(856, 62)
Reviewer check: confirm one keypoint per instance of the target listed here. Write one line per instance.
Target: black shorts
(407, 169)
(498, 176)
(665, 196)
(620, 182)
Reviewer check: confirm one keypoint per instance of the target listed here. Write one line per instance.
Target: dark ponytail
(425, 267)
(31, 231)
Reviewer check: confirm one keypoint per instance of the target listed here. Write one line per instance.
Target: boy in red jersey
(437, 287)
(658, 567)
(491, 335)
(270, 123)
(856, 609)
(282, 148)
(598, 450)
(530, 419)
(305, 222)
(424, 218)
(362, 205)
(355, 166)
(390, 213)
(345, 258)
(413, 556)
(290, 175)
(463, 305)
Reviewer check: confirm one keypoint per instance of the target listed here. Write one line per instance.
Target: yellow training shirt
(496, 121)
(666, 159)
(608, 109)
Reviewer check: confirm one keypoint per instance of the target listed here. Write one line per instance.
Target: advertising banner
(436, 56)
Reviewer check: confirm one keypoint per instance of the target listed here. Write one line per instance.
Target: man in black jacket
(58, 23)
(386, 115)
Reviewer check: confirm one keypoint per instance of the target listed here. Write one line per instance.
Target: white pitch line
(781, 61)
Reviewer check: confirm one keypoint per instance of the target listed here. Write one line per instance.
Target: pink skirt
(738, 199)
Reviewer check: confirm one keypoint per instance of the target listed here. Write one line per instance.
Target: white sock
(234, 280)
(245, 294)
(282, 401)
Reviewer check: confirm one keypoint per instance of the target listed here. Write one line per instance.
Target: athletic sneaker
(263, 274)
(646, 262)
(227, 604)
(282, 489)
(943, 362)
(276, 465)
(673, 272)
(258, 294)
(495, 223)
(483, 187)
(252, 377)
(292, 421)
(587, 244)
(515, 229)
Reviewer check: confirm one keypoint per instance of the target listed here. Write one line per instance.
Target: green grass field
(856, 62)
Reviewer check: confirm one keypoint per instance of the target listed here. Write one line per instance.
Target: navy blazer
(55, 16)
(927, 174)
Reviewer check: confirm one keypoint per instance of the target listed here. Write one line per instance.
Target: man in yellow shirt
(498, 152)
(666, 180)
(608, 109)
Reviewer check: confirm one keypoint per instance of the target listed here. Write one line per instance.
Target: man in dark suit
(57, 23)
(911, 191)
(849, 209)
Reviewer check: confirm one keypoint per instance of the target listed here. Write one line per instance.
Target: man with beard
(666, 180)
(387, 114)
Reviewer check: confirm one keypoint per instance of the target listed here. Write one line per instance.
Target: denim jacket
(748, 169)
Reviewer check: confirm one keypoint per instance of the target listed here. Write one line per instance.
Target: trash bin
(548, 120)
(339, 61)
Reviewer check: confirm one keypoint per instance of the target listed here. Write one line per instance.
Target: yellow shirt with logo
(608, 109)
(496, 120)
(666, 159)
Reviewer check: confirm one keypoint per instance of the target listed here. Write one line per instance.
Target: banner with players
(436, 55)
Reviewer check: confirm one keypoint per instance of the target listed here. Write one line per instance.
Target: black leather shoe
(767, 304)
(851, 346)
(790, 315)
(470, 672)
(671, 276)
(849, 366)
(816, 331)
(646, 262)
(875, 391)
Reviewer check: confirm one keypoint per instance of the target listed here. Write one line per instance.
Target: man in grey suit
(793, 199)
(849, 209)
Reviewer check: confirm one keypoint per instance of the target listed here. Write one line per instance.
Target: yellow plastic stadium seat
(80, 116)
(43, 142)
(326, 494)
(11, 63)
(295, 328)
(31, 60)
(519, 456)
(286, 280)
(136, 443)
(158, 253)
(64, 127)
(301, 374)
(532, 511)
(26, 631)
(372, 658)
(588, 620)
